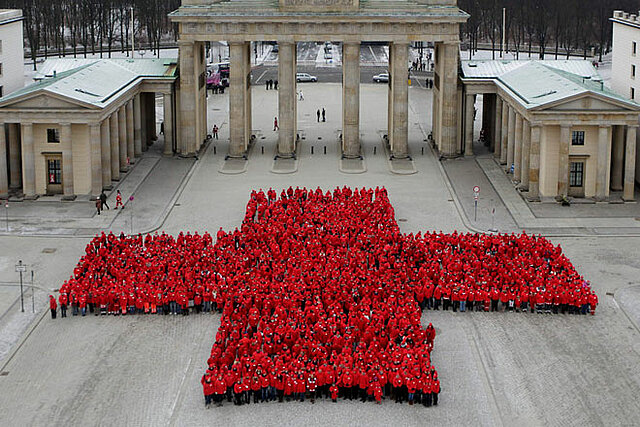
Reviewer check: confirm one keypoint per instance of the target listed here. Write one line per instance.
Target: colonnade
(193, 121)
(516, 142)
(240, 99)
(114, 140)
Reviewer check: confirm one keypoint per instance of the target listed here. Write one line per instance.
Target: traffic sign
(476, 189)
(21, 268)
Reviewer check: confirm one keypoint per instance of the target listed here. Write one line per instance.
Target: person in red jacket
(208, 388)
(435, 389)
(53, 306)
(63, 304)
(334, 392)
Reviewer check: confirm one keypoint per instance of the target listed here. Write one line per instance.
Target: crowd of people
(321, 295)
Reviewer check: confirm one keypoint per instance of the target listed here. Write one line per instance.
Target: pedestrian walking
(301, 95)
(53, 305)
(275, 124)
(98, 205)
(267, 84)
(214, 131)
(162, 127)
(318, 115)
(275, 85)
(103, 200)
(119, 200)
(324, 118)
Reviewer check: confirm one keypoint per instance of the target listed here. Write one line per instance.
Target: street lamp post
(6, 213)
(33, 298)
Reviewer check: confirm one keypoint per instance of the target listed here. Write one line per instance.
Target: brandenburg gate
(239, 22)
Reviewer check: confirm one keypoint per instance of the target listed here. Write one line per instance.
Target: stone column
(28, 162)
(168, 124)
(122, 138)
(504, 133)
(4, 177)
(247, 100)
(497, 134)
(351, 99)
(287, 103)
(517, 150)
(526, 152)
(617, 163)
(105, 153)
(630, 163)
(511, 138)
(468, 124)
(399, 84)
(67, 163)
(15, 174)
(602, 184)
(115, 146)
(137, 126)
(96, 159)
(449, 98)
(130, 141)
(188, 89)
(237, 100)
(563, 161)
(534, 163)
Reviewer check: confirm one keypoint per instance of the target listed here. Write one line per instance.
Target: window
(576, 174)
(1, 91)
(577, 138)
(0, 68)
(634, 48)
(0, 46)
(633, 71)
(54, 171)
(633, 93)
(53, 135)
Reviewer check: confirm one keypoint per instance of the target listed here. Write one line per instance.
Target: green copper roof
(94, 81)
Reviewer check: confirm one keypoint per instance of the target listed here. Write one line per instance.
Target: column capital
(633, 126)
(603, 126)
(185, 43)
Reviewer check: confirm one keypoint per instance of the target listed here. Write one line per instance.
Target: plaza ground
(495, 368)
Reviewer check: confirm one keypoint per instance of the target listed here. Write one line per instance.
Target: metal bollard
(325, 149)
(374, 150)
(423, 151)
(262, 149)
(214, 149)
(312, 149)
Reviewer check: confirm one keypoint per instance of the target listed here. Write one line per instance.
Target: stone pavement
(496, 369)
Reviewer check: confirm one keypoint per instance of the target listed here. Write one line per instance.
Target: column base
(4, 196)
(169, 154)
(628, 199)
(237, 156)
(400, 156)
(31, 197)
(107, 187)
(617, 188)
(285, 156)
(533, 198)
(124, 170)
(352, 156)
(69, 198)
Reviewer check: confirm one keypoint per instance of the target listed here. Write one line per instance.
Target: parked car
(304, 77)
(381, 78)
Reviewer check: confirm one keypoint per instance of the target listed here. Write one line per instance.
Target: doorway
(576, 177)
(54, 174)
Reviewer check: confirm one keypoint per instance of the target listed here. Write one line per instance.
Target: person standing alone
(53, 305)
(275, 124)
(318, 115)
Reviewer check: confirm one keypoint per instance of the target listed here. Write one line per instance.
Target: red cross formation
(320, 286)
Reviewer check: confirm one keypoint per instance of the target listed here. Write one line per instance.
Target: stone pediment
(590, 103)
(44, 102)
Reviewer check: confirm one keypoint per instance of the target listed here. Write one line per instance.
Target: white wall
(12, 54)
(621, 81)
